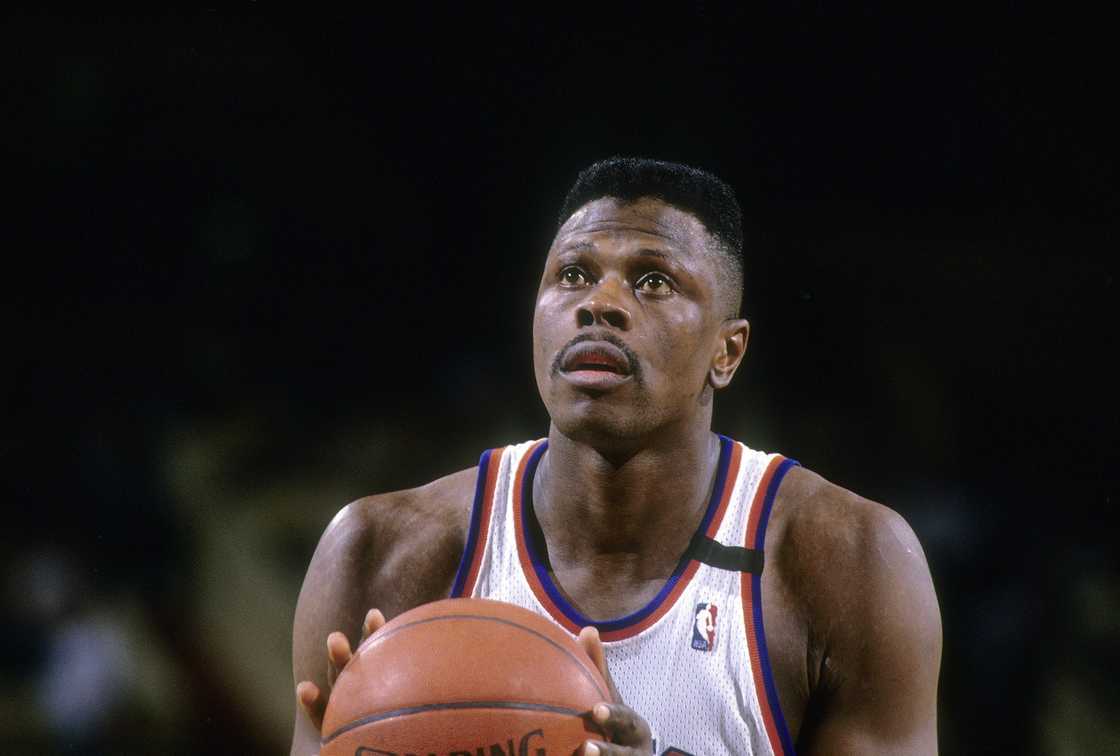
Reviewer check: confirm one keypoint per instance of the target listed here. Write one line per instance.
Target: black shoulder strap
(733, 558)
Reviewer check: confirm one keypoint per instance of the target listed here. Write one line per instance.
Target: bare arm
(877, 685)
(334, 596)
(393, 552)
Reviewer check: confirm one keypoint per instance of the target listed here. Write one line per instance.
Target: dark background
(260, 265)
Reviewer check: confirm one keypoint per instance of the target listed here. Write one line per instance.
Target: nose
(604, 306)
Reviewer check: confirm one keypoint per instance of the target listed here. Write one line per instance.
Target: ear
(733, 337)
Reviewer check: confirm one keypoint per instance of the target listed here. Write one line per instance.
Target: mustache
(632, 363)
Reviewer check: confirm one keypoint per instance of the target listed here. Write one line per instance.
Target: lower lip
(594, 379)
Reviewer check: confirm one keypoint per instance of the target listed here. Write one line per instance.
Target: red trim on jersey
(523, 551)
(487, 509)
(765, 705)
(667, 602)
(728, 486)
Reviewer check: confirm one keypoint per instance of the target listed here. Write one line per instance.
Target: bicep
(881, 672)
(334, 596)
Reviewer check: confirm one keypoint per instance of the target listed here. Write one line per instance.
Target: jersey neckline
(535, 566)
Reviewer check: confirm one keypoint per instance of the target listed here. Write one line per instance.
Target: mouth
(595, 364)
(604, 358)
(596, 356)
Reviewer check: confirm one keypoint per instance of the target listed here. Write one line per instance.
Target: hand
(311, 699)
(629, 733)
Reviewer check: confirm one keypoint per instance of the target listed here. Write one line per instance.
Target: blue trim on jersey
(756, 587)
(476, 521)
(542, 570)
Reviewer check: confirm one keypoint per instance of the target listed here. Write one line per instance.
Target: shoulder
(401, 545)
(817, 521)
(843, 550)
(391, 552)
(439, 507)
(855, 573)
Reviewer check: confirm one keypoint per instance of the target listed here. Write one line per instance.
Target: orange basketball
(464, 676)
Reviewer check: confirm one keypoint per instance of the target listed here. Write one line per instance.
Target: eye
(654, 283)
(572, 276)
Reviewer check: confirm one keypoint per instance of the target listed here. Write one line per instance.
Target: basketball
(464, 676)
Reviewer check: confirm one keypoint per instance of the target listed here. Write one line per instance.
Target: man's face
(627, 320)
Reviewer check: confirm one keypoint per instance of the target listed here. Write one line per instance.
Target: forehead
(647, 220)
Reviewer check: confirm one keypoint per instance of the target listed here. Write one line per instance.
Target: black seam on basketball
(542, 636)
(520, 705)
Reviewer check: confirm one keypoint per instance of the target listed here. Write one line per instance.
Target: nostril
(615, 319)
(584, 317)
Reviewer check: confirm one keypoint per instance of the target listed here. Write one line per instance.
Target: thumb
(592, 645)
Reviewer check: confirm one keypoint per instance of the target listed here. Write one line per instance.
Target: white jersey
(693, 661)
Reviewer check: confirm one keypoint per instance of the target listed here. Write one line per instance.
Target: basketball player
(743, 604)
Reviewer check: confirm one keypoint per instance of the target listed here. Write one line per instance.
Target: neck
(627, 513)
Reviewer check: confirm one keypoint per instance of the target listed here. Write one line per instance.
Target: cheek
(685, 348)
(544, 321)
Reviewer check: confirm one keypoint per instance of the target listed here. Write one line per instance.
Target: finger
(373, 622)
(600, 748)
(338, 655)
(312, 702)
(593, 646)
(623, 725)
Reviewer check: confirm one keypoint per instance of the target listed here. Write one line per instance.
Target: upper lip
(595, 355)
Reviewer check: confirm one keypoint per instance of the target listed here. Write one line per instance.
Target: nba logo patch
(704, 627)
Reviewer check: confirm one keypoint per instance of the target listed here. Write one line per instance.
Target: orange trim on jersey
(728, 486)
(667, 602)
(523, 550)
(759, 496)
(486, 510)
(765, 705)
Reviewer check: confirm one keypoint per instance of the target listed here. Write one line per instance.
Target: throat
(636, 515)
(605, 586)
(606, 595)
(611, 556)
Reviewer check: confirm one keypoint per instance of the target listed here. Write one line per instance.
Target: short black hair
(692, 190)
